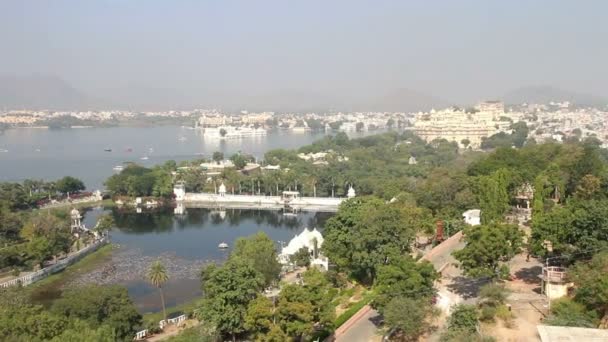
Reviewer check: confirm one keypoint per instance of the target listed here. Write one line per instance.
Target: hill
(39, 92)
(545, 94)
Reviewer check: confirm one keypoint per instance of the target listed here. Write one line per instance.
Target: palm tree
(157, 276)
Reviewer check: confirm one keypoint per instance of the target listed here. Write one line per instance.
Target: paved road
(363, 330)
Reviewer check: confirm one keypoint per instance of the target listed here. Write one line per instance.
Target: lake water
(52, 154)
(184, 243)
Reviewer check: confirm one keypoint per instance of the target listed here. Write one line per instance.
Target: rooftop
(566, 334)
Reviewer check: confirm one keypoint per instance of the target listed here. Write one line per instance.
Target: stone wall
(59, 266)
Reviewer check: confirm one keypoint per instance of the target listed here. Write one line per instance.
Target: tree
(579, 225)
(404, 278)
(218, 157)
(301, 258)
(157, 276)
(105, 223)
(408, 316)
(69, 185)
(493, 196)
(223, 132)
(465, 142)
(359, 126)
(260, 252)
(227, 292)
(99, 306)
(487, 247)
(260, 317)
(238, 160)
(592, 285)
(588, 187)
(462, 324)
(295, 311)
(566, 312)
(364, 234)
(47, 236)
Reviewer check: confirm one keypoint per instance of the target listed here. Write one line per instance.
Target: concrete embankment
(260, 202)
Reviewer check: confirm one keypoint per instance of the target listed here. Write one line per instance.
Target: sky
(216, 51)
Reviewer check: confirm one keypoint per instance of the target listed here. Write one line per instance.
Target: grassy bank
(185, 308)
(48, 289)
(346, 315)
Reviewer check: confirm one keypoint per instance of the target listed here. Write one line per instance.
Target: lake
(79, 152)
(185, 243)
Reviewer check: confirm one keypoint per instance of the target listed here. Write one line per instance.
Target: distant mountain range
(39, 92)
(51, 92)
(545, 94)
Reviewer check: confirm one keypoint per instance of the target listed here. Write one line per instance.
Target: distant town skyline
(315, 54)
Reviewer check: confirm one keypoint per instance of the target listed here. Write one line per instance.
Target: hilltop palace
(467, 128)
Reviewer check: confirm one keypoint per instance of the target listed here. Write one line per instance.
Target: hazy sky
(458, 50)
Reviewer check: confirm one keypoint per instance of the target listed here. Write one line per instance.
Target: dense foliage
(136, 180)
(487, 248)
(91, 313)
(31, 192)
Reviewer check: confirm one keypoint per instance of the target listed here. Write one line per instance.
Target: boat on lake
(118, 168)
(222, 245)
(107, 149)
(144, 158)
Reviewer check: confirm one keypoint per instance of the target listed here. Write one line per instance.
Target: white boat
(3, 150)
(222, 245)
(182, 139)
(144, 158)
(118, 168)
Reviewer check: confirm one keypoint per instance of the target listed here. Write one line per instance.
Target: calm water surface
(185, 244)
(51, 154)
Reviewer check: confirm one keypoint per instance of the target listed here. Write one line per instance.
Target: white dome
(305, 239)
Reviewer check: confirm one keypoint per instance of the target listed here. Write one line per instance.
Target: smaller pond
(184, 244)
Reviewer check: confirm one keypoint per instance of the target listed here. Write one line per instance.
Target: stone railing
(60, 265)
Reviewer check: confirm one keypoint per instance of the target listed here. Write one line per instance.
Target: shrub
(493, 294)
(487, 314)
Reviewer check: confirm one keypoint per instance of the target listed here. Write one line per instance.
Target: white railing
(60, 265)
(176, 320)
(140, 335)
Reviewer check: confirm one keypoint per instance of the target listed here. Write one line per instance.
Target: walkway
(362, 327)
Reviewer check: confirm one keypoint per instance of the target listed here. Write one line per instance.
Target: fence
(60, 265)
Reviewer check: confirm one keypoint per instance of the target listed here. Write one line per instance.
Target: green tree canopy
(227, 291)
(261, 253)
(487, 247)
(101, 305)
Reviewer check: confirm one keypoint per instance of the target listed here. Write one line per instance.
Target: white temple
(351, 192)
(311, 239)
(222, 190)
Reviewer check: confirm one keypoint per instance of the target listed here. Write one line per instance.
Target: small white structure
(222, 190)
(472, 217)
(412, 161)
(75, 218)
(312, 240)
(351, 192)
(555, 284)
(179, 190)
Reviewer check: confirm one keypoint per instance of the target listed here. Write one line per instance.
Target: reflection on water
(184, 243)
